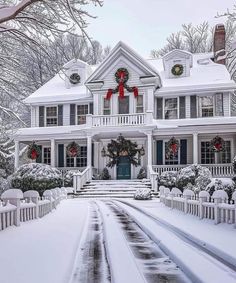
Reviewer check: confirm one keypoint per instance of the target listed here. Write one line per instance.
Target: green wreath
(73, 149)
(122, 72)
(33, 151)
(217, 144)
(177, 70)
(173, 146)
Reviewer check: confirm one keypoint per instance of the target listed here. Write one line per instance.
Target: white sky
(145, 25)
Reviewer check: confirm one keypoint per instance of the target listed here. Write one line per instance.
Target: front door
(123, 168)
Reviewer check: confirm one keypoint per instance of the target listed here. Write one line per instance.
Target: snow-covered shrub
(143, 194)
(168, 179)
(234, 165)
(34, 176)
(196, 175)
(142, 173)
(68, 178)
(105, 175)
(225, 184)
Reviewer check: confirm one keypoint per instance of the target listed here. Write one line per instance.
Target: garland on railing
(173, 146)
(122, 76)
(217, 144)
(33, 151)
(73, 149)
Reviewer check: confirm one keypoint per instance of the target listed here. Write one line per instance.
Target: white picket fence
(216, 207)
(16, 206)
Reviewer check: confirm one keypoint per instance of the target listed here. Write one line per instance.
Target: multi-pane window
(206, 106)
(106, 106)
(82, 111)
(139, 104)
(226, 154)
(47, 155)
(170, 158)
(171, 108)
(207, 154)
(81, 160)
(51, 116)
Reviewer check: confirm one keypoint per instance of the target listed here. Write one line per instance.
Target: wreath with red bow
(173, 146)
(122, 76)
(33, 151)
(72, 149)
(217, 144)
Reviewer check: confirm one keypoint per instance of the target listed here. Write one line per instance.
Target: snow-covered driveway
(101, 241)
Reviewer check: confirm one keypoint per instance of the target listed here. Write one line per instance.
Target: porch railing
(217, 170)
(81, 178)
(119, 120)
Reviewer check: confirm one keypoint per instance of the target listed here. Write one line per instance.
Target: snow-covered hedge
(143, 194)
(34, 176)
(168, 179)
(225, 184)
(196, 175)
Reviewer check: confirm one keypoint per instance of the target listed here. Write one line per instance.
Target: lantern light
(142, 151)
(103, 152)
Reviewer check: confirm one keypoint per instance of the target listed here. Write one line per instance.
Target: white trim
(45, 116)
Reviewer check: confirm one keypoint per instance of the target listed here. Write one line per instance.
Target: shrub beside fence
(216, 207)
(17, 206)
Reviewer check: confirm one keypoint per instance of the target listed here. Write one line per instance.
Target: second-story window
(82, 111)
(139, 104)
(51, 116)
(171, 108)
(206, 106)
(106, 106)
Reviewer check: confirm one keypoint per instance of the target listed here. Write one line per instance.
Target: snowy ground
(103, 241)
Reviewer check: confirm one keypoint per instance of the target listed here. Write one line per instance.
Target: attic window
(75, 78)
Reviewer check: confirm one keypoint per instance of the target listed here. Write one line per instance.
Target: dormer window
(75, 78)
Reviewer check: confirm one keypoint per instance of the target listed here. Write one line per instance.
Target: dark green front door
(124, 168)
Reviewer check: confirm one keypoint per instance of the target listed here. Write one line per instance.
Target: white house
(182, 95)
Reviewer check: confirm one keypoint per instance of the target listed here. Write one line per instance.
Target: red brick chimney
(219, 44)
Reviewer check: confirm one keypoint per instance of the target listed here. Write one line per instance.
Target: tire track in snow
(92, 265)
(153, 263)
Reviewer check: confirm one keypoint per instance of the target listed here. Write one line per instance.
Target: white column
(195, 148)
(53, 153)
(17, 152)
(97, 154)
(89, 154)
(149, 136)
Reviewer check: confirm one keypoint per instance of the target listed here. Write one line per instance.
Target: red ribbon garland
(121, 90)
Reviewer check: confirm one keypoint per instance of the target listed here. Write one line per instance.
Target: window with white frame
(226, 154)
(51, 116)
(139, 104)
(106, 106)
(82, 111)
(81, 160)
(206, 106)
(171, 108)
(208, 155)
(47, 155)
(170, 158)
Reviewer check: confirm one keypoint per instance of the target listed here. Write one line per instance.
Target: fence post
(48, 195)
(216, 210)
(14, 196)
(34, 196)
(77, 182)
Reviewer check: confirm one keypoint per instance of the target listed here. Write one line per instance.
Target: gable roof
(122, 49)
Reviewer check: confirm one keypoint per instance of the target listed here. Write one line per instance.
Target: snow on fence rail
(17, 206)
(216, 207)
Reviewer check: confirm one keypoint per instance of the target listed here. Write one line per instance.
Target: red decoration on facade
(122, 77)
(33, 151)
(72, 149)
(173, 146)
(217, 144)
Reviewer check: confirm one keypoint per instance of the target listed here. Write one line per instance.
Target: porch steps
(112, 188)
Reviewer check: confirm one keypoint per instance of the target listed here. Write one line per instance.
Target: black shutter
(159, 152)
(41, 116)
(90, 108)
(182, 110)
(92, 154)
(39, 158)
(60, 115)
(193, 106)
(61, 155)
(159, 108)
(72, 114)
(183, 151)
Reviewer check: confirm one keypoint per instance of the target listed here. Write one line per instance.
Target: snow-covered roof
(205, 74)
(55, 91)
